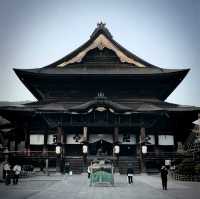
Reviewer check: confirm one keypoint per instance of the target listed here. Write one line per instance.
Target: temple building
(100, 101)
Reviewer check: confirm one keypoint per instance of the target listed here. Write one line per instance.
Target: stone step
(125, 164)
(77, 165)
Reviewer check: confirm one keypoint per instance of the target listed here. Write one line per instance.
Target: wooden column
(63, 141)
(16, 141)
(156, 148)
(116, 134)
(59, 134)
(45, 149)
(85, 134)
(16, 145)
(59, 142)
(142, 139)
(60, 138)
(138, 145)
(85, 140)
(142, 134)
(116, 140)
(27, 139)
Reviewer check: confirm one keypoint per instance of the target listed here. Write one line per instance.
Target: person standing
(130, 175)
(16, 173)
(164, 174)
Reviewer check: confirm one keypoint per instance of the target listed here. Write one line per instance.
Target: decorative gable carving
(101, 42)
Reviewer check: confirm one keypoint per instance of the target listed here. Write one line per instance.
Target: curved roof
(135, 106)
(100, 103)
(101, 56)
(83, 69)
(102, 39)
(109, 57)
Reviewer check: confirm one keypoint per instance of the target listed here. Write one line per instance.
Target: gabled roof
(101, 38)
(109, 57)
(101, 56)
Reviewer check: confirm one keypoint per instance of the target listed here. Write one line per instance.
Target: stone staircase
(76, 164)
(125, 162)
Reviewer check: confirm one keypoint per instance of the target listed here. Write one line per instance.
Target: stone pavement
(77, 186)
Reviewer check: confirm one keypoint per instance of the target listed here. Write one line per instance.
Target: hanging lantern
(116, 149)
(58, 150)
(144, 149)
(85, 149)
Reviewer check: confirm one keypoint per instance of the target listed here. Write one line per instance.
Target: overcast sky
(36, 33)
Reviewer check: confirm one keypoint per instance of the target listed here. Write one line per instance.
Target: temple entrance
(101, 148)
(100, 141)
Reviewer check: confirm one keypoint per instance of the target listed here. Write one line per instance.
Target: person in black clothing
(130, 175)
(164, 173)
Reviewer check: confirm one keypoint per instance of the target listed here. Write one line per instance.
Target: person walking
(164, 174)
(89, 171)
(130, 175)
(16, 172)
(7, 173)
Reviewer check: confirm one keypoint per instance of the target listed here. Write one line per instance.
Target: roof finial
(101, 27)
(101, 24)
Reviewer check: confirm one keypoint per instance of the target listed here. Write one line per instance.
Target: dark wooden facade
(100, 95)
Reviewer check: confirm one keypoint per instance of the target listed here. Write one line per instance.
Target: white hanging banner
(37, 139)
(152, 139)
(74, 138)
(51, 139)
(166, 140)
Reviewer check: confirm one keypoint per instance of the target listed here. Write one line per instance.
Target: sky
(36, 33)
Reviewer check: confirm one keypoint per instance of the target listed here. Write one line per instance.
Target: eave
(26, 76)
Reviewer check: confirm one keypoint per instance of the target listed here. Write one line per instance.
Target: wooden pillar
(59, 134)
(59, 159)
(85, 141)
(116, 135)
(142, 134)
(63, 142)
(142, 139)
(116, 140)
(138, 145)
(156, 147)
(45, 149)
(85, 134)
(16, 146)
(16, 141)
(27, 139)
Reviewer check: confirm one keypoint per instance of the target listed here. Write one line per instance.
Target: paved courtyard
(77, 186)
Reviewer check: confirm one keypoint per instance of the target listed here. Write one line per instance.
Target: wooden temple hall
(99, 101)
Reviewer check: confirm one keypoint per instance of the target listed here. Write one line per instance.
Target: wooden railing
(31, 153)
(187, 177)
(194, 147)
(163, 155)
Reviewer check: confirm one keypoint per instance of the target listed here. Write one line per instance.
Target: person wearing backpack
(16, 173)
